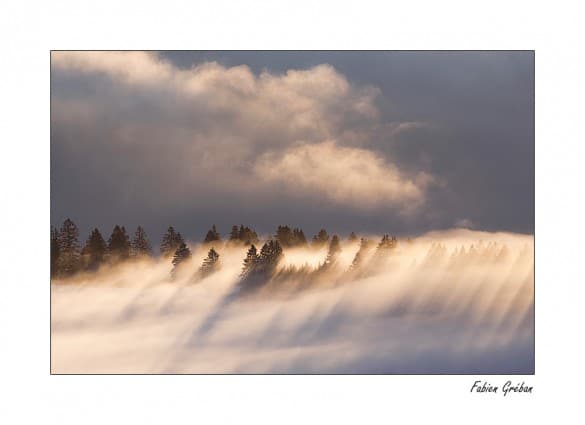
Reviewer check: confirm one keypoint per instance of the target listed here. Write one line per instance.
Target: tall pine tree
(250, 261)
(118, 245)
(68, 262)
(320, 238)
(212, 235)
(170, 242)
(140, 245)
(94, 251)
(210, 263)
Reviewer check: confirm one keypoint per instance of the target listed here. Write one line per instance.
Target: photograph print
(292, 212)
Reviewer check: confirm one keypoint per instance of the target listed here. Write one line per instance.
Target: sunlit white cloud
(195, 132)
(349, 176)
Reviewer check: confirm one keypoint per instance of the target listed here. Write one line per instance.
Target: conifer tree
(270, 254)
(68, 262)
(210, 263)
(250, 261)
(247, 235)
(299, 238)
(118, 244)
(320, 238)
(334, 249)
(385, 246)
(182, 253)
(94, 251)
(234, 234)
(359, 255)
(55, 251)
(140, 245)
(212, 235)
(170, 242)
(284, 236)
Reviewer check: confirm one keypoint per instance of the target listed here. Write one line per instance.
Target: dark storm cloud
(133, 144)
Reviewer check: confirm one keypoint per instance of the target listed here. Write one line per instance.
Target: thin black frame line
(304, 374)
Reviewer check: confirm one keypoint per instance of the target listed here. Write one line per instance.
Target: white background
(29, 394)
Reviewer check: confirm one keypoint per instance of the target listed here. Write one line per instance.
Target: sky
(371, 142)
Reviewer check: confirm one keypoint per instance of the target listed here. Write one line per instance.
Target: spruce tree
(55, 251)
(359, 255)
(118, 245)
(212, 235)
(334, 249)
(234, 234)
(299, 238)
(68, 262)
(250, 261)
(320, 238)
(182, 253)
(247, 235)
(210, 263)
(170, 242)
(140, 245)
(284, 236)
(94, 251)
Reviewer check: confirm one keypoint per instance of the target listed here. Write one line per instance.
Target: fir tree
(359, 255)
(284, 236)
(140, 244)
(212, 235)
(320, 238)
(118, 244)
(68, 262)
(270, 255)
(170, 242)
(182, 253)
(247, 235)
(94, 251)
(210, 263)
(250, 261)
(334, 249)
(299, 238)
(385, 246)
(55, 251)
(234, 234)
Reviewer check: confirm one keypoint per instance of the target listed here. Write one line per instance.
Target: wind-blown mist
(446, 302)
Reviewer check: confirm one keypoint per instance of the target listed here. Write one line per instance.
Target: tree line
(69, 257)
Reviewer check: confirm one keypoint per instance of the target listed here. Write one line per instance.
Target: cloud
(347, 176)
(151, 136)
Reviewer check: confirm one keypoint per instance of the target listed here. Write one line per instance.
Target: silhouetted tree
(118, 245)
(212, 235)
(210, 263)
(234, 234)
(55, 250)
(68, 262)
(247, 235)
(270, 255)
(181, 254)
(170, 242)
(385, 246)
(250, 261)
(284, 236)
(334, 249)
(299, 238)
(359, 255)
(94, 252)
(320, 238)
(140, 244)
